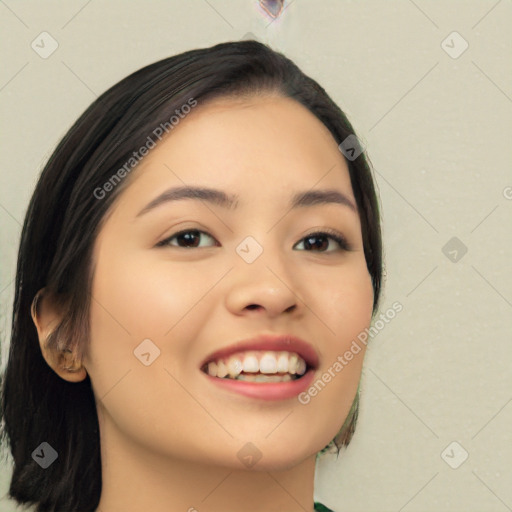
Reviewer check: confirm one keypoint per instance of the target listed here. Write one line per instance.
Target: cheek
(348, 305)
(347, 313)
(142, 297)
(134, 300)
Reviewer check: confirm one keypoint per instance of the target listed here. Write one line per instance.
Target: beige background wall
(438, 129)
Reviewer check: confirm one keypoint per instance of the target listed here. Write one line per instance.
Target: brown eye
(187, 239)
(320, 241)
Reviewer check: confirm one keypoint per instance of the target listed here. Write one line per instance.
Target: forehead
(266, 146)
(260, 124)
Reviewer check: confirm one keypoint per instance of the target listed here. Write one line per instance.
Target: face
(189, 277)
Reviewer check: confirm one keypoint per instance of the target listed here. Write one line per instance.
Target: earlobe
(46, 316)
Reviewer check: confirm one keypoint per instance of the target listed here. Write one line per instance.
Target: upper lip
(269, 342)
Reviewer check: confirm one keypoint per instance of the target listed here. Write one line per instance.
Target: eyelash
(329, 233)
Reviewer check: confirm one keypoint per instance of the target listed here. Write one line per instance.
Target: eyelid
(196, 226)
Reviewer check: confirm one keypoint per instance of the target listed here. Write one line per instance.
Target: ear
(47, 315)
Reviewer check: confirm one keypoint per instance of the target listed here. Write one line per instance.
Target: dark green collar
(322, 508)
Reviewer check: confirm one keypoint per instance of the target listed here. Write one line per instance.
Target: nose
(258, 289)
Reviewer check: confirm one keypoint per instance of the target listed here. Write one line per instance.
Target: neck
(135, 478)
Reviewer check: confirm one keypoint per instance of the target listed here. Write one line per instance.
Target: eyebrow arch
(221, 198)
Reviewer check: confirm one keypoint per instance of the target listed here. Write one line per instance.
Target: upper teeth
(257, 361)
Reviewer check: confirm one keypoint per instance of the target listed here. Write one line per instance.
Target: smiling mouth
(258, 366)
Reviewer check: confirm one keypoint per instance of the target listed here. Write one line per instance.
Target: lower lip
(265, 390)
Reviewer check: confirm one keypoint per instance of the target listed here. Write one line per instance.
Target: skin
(169, 438)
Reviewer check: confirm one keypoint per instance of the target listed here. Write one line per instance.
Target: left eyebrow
(221, 198)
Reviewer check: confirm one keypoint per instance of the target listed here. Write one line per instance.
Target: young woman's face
(162, 304)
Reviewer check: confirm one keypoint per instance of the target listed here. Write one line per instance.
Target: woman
(200, 251)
